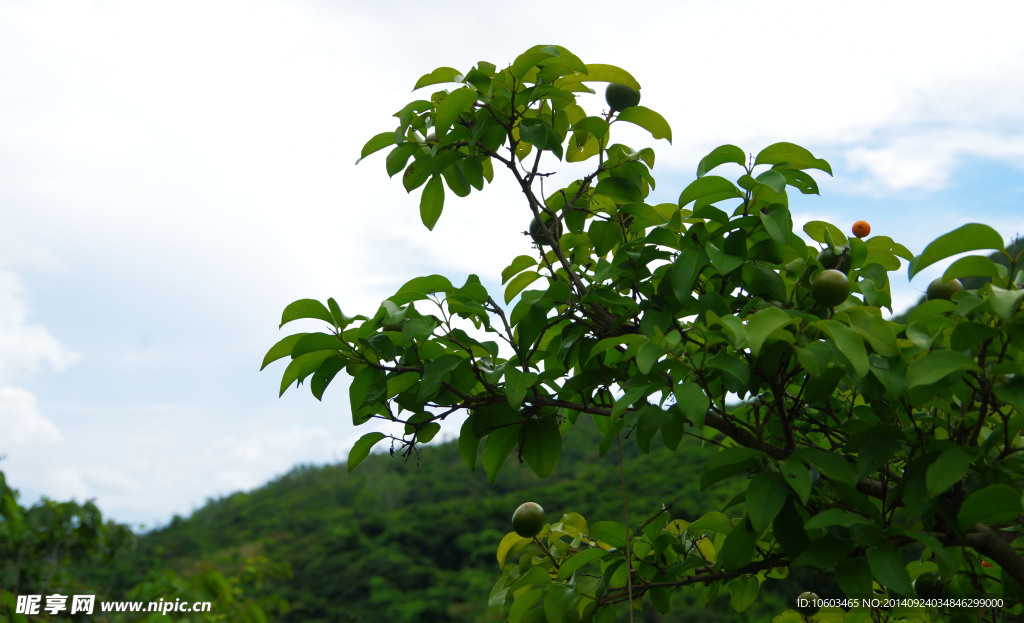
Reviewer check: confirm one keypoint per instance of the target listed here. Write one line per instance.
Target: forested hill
(415, 540)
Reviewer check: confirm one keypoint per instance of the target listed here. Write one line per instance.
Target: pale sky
(172, 174)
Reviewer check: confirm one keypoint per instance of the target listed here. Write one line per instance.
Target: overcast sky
(172, 174)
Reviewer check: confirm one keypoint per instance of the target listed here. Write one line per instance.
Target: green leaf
(301, 367)
(890, 567)
(610, 532)
(648, 120)
(517, 266)
(578, 561)
(647, 355)
(692, 402)
(993, 504)
(797, 477)
(793, 156)
(774, 180)
(435, 372)
(743, 591)
(832, 466)
(950, 468)
(469, 443)
(970, 237)
(1004, 302)
(316, 341)
(325, 374)
(619, 189)
(432, 201)
(542, 446)
(517, 383)
(507, 543)
(518, 283)
(849, 344)
(738, 548)
(377, 143)
(453, 105)
(729, 462)
(361, 449)
(719, 156)
(498, 446)
(820, 231)
(438, 76)
(935, 366)
(709, 189)
(766, 494)
(971, 266)
(282, 349)
(761, 324)
(306, 308)
(836, 517)
(597, 72)
(1012, 393)
(418, 288)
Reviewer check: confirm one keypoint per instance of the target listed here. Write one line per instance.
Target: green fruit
(939, 290)
(928, 585)
(538, 234)
(829, 259)
(528, 519)
(830, 287)
(621, 97)
(805, 603)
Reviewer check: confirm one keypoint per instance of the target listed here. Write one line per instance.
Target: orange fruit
(861, 229)
(528, 519)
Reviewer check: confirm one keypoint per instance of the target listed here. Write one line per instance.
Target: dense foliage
(65, 548)
(875, 451)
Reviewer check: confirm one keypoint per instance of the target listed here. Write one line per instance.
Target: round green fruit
(528, 519)
(806, 603)
(840, 262)
(939, 290)
(621, 97)
(928, 585)
(555, 225)
(830, 287)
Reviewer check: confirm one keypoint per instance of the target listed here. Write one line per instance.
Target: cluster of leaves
(48, 548)
(875, 450)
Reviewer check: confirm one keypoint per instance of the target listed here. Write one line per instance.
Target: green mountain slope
(415, 540)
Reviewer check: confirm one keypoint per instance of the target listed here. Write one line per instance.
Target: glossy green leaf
(377, 143)
(993, 504)
(849, 344)
(517, 266)
(797, 477)
(936, 366)
(970, 237)
(648, 120)
(610, 532)
(829, 464)
(454, 104)
(518, 283)
(306, 308)
(438, 76)
(418, 288)
(766, 494)
(578, 561)
(619, 189)
(325, 374)
(435, 372)
(738, 548)
(971, 266)
(497, 447)
(793, 156)
(820, 231)
(597, 72)
(282, 349)
(709, 189)
(508, 542)
(301, 367)
(762, 324)
(950, 468)
(890, 567)
(729, 462)
(719, 156)
(836, 517)
(469, 443)
(542, 446)
(432, 202)
(361, 449)
(1005, 302)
